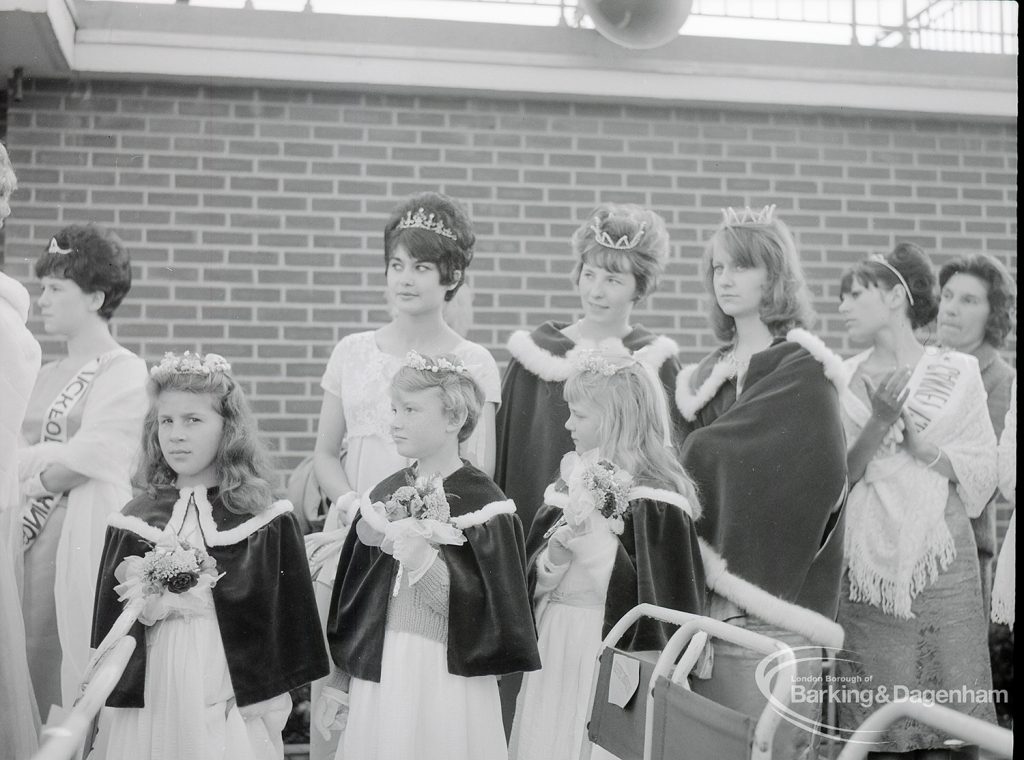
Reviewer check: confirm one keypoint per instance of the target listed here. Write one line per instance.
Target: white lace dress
(190, 711)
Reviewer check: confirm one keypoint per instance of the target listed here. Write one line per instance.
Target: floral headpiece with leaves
(416, 360)
(190, 364)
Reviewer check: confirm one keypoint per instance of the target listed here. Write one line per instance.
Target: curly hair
(1002, 292)
(452, 257)
(787, 300)
(97, 262)
(241, 460)
(914, 266)
(8, 183)
(631, 423)
(645, 260)
(460, 393)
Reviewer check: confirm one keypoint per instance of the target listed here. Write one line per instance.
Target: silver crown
(424, 221)
(732, 217)
(624, 243)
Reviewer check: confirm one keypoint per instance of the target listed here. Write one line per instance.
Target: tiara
(416, 360)
(880, 259)
(598, 362)
(190, 364)
(731, 217)
(624, 243)
(422, 220)
(55, 248)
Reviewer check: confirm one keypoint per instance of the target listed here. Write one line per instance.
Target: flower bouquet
(418, 508)
(167, 579)
(595, 485)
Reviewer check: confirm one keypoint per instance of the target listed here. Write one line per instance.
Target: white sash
(55, 429)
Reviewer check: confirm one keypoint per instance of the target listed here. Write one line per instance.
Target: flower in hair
(733, 218)
(589, 360)
(56, 248)
(424, 221)
(190, 364)
(624, 243)
(416, 360)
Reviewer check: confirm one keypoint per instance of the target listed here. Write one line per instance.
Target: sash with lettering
(37, 511)
(897, 540)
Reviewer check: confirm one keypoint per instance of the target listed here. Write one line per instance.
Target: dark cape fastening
(264, 602)
(657, 561)
(770, 470)
(490, 627)
(530, 425)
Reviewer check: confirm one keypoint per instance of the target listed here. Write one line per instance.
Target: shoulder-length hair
(787, 300)
(241, 460)
(632, 424)
(1002, 293)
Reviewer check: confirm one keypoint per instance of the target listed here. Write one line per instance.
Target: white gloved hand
(415, 553)
(559, 549)
(330, 713)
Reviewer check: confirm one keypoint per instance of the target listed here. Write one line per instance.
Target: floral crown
(733, 218)
(190, 364)
(424, 221)
(624, 243)
(599, 362)
(416, 360)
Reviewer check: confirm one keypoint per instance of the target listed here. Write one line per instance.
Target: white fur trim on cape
(758, 602)
(553, 369)
(211, 534)
(669, 497)
(690, 402)
(485, 513)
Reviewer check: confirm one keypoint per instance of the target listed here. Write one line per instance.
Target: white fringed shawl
(897, 541)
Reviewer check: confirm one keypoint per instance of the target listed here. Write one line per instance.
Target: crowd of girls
(484, 528)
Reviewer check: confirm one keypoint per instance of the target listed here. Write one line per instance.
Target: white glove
(330, 713)
(415, 553)
(343, 510)
(559, 550)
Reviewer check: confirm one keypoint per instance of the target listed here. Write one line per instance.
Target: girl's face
(739, 289)
(65, 307)
(414, 287)
(189, 429)
(420, 427)
(584, 426)
(864, 310)
(607, 297)
(963, 312)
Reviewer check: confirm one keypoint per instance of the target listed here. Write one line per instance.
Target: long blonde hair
(632, 423)
(241, 460)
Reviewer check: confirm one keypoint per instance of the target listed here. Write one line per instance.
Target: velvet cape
(770, 470)
(657, 561)
(531, 438)
(264, 602)
(490, 626)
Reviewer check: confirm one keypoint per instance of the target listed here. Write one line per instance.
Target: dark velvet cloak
(657, 562)
(264, 602)
(530, 425)
(490, 627)
(770, 470)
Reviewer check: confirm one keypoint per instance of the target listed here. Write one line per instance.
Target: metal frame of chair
(988, 737)
(691, 636)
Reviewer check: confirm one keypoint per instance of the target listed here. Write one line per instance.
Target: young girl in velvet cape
(616, 530)
(227, 623)
(429, 607)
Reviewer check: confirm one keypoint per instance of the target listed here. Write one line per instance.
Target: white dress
(359, 373)
(190, 712)
(551, 712)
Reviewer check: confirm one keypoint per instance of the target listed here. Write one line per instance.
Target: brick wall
(254, 215)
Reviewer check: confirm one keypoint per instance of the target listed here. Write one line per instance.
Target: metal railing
(970, 26)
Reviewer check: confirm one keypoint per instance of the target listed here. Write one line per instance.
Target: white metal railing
(969, 26)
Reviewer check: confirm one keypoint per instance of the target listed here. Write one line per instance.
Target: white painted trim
(758, 602)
